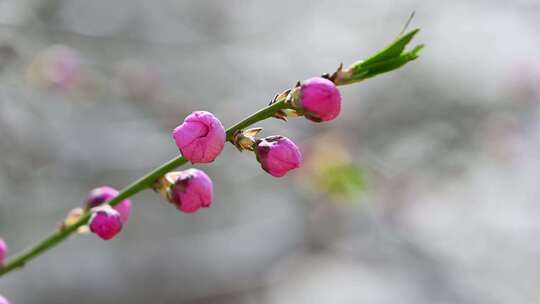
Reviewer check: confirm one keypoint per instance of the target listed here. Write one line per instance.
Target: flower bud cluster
(201, 138)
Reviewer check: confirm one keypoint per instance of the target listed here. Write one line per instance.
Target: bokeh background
(425, 190)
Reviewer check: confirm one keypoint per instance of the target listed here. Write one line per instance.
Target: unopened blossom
(200, 138)
(100, 195)
(105, 222)
(3, 300)
(320, 99)
(278, 155)
(58, 66)
(3, 252)
(192, 190)
(64, 66)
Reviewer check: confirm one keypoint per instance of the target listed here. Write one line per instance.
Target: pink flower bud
(3, 252)
(103, 194)
(320, 99)
(61, 66)
(200, 137)
(105, 222)
(278, 155)
(3, 300)
(192, 190)
(65, 67)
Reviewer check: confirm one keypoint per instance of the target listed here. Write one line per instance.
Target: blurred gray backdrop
(442, 154)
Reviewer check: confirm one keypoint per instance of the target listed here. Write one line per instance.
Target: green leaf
(388, 59)
(393, 50)
(376, 68)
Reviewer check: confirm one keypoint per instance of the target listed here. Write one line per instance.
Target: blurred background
(424, 191)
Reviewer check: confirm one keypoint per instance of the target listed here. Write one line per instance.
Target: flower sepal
(245, 140)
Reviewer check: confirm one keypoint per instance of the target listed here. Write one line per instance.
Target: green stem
(262, 114)
(143, 183)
